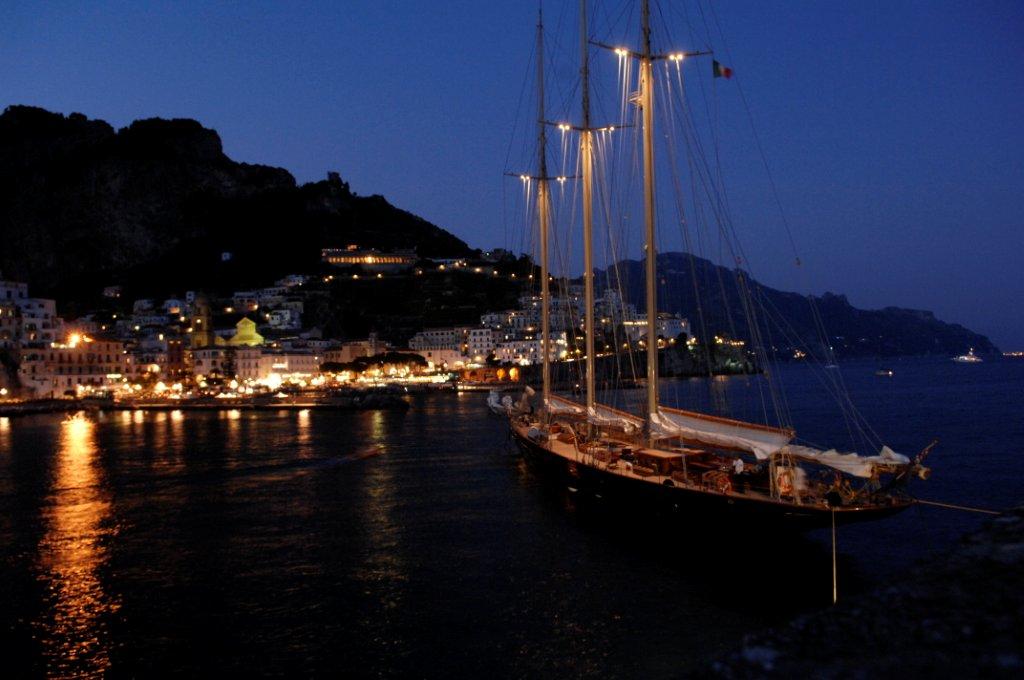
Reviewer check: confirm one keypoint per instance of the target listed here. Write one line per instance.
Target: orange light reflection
(76, 636)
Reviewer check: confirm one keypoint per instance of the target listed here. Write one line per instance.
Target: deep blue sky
(895, 130)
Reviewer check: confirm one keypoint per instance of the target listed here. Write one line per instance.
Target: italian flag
(720, 71)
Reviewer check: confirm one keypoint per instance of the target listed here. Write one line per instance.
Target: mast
(647, 109)
(587, 161)
(543, 210)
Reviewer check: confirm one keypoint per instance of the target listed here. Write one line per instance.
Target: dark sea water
(267, 543)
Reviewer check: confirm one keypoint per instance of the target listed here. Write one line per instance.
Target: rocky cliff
(83, 205)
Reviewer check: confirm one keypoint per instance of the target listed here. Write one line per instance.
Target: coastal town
(259, 344)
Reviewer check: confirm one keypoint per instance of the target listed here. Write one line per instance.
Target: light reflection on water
(385, 571)
(304, 436)
(393, 544)
(71, 551)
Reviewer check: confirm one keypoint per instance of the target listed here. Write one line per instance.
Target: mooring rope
(957, 507)
(835, 570)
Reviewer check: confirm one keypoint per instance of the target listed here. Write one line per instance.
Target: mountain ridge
(793, 321)
(85, 204)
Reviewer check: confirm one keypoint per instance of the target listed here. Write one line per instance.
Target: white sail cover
(558, 405)
(733, 434)
(850, 463)
(605, 416)
(600, 415)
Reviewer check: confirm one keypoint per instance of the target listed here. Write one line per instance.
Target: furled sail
(850, 463)
(561, 406)
(600, 415)
(760, 440)
(606, 416)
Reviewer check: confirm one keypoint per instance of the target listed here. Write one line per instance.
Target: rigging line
(519, 107)
(951, 506)
(612, 254)
(694, 145)
(832, 377)
(715, 127)
(694, 141)
(719, 207)
(842, 399)
(757, 140)
(812, 302)
(680, 208)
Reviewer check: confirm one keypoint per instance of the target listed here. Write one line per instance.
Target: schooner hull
(682, 504)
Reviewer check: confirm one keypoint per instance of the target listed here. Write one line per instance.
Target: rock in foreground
(960, 616)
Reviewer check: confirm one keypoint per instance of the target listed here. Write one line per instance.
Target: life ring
(784, 481)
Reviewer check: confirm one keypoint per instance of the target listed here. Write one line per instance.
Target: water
(144, 543)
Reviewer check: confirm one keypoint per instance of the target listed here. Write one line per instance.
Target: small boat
(885, 372)
(499, 406)
(969, 358)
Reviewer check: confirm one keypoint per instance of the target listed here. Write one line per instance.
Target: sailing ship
(688, 463)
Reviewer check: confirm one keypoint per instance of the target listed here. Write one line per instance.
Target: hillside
(788, 317)
(154, 205)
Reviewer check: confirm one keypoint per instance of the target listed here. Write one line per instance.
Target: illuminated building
(202, 328)
(79, 362)
(245, 334)
(369, 259)
(38, 324)
(354, 349)
(10, 325)
(528, 351)
(668, 326)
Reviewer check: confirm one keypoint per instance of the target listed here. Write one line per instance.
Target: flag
(720, 71)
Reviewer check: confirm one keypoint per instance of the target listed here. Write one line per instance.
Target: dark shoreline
(958, 615)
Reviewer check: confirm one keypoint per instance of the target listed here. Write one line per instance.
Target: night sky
(894, 130)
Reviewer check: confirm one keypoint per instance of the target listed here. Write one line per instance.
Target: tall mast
(647, 107)
(587, 161)
(543, 210)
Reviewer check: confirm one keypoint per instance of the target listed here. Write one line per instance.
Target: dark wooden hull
(707, 508)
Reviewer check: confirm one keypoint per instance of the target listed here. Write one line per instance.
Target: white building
(480, 342)
(248, 363)
(13, 291)
(10, 324)
(246, 300)
(305, 364)
(292, 280)
(81, 362)
(207, 360)
(668, 326)
(443, 358)
(442, 338)
(284, 319)
(40, 324)
(528, 351)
